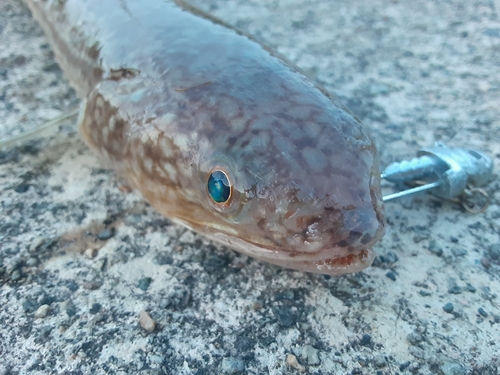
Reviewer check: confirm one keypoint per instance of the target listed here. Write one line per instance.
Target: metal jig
(446, 172)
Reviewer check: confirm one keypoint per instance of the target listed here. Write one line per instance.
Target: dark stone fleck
(448, 308)
(106, 234)
(70, 308)
(403, 366)
(390, 257)
(385, 260)
(72, 285)
(470, 288)
(366, 340)
(414, 338)
(22, 188)
(286, 318)
(95, 308)
(493, 253)
(244, 344)
(44, 334)
(29, 306)
(19, 60)
(144, 283)
(92, 285)
(162, 259)
(455, 289)
(214, 263)
(435, 248)
(46, 300)
(268, 340)
(391, 275)
(51, 67)
(459, 251)
(483, 313)
(16, 275)
(179, 297)
(419, 237)
(424, 293)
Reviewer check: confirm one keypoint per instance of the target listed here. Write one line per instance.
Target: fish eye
(219, 187)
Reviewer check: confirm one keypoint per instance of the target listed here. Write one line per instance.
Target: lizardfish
(219, 133)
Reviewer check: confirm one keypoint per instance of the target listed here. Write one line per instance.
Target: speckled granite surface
(81, 258)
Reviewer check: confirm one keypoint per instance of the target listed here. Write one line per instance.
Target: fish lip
(345, 262)
(336, 266)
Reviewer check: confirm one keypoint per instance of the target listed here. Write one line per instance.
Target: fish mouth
(344, 262)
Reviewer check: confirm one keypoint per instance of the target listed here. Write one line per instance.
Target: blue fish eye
(219, 187)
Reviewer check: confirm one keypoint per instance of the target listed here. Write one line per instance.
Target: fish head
(303, 195)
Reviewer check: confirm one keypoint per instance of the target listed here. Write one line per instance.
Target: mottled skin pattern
(169, 95)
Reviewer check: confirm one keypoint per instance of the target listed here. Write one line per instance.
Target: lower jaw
(336, 266)
(349, 263)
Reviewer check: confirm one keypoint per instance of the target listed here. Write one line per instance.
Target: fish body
(218, 133)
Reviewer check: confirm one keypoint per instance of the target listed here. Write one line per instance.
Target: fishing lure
(219, 133)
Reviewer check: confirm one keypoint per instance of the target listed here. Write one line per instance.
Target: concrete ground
(81, 258)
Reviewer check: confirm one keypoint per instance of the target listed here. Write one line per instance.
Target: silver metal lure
(445, 172)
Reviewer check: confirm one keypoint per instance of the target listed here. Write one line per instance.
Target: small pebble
(403, 366)
(42, 311)
(95, 308)
(144, 283)
(419, 237)
(70, 308)
(310, 355)
(424, 293)
(106, 234)
(435, 248)
(448, 308)
(16, 275)
(22, 188)
(32, 262)
(366, 340)
(458, 251)
(187, 237)
(493, 253)
(455, 289)
(482, 312)
(90, 253)
(380, 361)
(146, 321)
(291, 361)
(36, 243)
(414, 338)
(391, 275)
(232, 365)
(470, 288)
